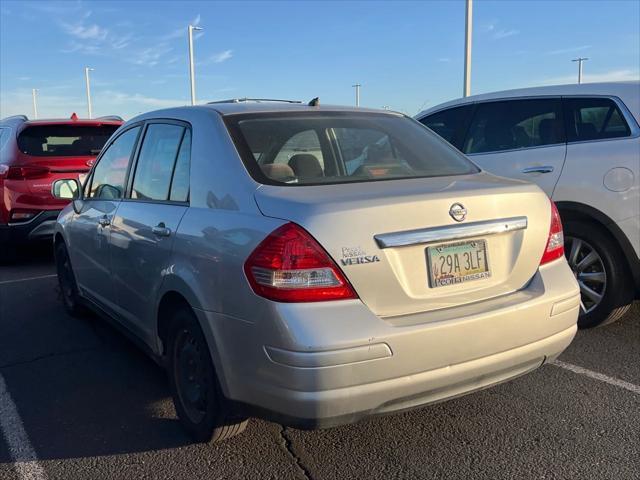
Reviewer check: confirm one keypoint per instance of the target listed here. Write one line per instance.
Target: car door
(522, 138)
(603, 161)
(89, 233)
(144, 226)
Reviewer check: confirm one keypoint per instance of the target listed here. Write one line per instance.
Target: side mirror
(66, 189)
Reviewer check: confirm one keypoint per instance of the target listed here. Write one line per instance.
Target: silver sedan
(312, 265)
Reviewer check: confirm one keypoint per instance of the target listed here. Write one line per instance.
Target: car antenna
(315, 102)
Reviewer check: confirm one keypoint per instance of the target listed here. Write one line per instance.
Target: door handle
(541, 169)
(104, 221)
(161, 230)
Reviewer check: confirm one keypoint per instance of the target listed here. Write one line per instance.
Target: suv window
(594, 119)
(110, 172)
(514, 124)
(450, 124)
(64, 140)
(152, 179)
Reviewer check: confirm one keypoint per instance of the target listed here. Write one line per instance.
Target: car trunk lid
(379, 232)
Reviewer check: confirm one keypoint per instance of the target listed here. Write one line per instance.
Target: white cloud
(444, 59)
(221, 56)
(500, 34)
(86, 32)
(564, 51)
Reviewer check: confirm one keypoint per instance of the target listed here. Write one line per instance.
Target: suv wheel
(600, 271)
(202, 408)
(67, 282)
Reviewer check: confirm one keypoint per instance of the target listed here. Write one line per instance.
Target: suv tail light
(26, 172)
(555, 241)
(290, 266)
(22, 215)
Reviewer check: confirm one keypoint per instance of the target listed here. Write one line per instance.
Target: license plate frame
(472, 275)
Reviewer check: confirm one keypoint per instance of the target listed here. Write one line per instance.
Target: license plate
(452, 263)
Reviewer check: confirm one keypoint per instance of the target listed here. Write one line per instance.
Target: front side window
(152, 179)
(450, 124)
(340, 147)
(109, 174)
(594, 119)
(514, 124)
(64, 140)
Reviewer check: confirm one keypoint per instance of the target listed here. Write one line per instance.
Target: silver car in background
(312, 265)
(580, 143)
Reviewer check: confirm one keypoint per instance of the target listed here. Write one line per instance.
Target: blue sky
(407, 55)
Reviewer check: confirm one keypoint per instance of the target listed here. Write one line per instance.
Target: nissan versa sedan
(312, 265)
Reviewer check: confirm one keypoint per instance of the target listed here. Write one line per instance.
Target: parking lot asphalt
(78, 401)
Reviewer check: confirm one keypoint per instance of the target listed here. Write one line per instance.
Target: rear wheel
(67, 282)
(202, 408)
(599, 268)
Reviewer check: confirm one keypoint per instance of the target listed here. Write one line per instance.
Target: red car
(34, 153)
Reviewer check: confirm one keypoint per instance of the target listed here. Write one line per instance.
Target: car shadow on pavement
(81, 388)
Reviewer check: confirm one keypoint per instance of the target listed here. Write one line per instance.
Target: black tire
(202, 408)
(67, 282)
(616, 291)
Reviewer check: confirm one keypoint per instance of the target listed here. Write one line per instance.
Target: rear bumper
(40, 227)
(330, 363)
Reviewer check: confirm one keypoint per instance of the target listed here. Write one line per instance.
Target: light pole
(86, 78)
(467, 48)
(357, 87)
(580, 60)
(34, 93)
(192, 74)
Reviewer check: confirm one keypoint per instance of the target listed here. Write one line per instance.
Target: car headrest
(279, 172)
(547, 130)
(498, 136)
(306, 165)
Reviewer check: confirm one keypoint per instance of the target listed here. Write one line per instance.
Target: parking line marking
(20, 449)
(28, 279)
(598, 376)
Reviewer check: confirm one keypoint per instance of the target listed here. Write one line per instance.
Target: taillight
(555, 241)
(290, 266)
(26, 172)
(22, 215)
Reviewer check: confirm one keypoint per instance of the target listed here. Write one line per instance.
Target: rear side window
(594, 119)
(180, 180)
(110, 172)
(450, 124)
(337, 147)
(64, 140)
(154, 169)
(515, 124)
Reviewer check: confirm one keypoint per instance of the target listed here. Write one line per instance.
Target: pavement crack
(287, 444)
(48, 355)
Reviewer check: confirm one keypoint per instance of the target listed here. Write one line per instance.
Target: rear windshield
(323, 148)
(64, 140)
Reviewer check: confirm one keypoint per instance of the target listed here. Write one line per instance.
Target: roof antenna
(315, 102)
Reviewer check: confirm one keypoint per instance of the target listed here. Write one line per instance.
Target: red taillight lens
(555, 241)
(26, 172)
(290, 266)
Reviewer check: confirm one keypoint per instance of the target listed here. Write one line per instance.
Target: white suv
(581, 145)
